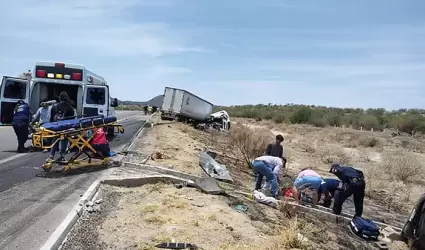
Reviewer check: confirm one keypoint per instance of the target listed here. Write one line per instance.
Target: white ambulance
(89, 91)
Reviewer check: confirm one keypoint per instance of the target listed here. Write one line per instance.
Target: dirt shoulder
(139, 218)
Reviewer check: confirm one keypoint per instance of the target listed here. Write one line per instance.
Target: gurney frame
(78, 143)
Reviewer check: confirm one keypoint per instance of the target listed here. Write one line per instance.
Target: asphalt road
(32, 204)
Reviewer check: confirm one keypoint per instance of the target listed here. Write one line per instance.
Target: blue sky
(335, 53)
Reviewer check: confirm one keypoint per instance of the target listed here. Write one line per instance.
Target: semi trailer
(179, 104)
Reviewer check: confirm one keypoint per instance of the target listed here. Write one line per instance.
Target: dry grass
(293, 236)
(250, 143)
(387, 184)
(329, 155)
(403, 166)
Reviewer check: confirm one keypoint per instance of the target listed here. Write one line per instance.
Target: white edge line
(13, 157)
(55, 240)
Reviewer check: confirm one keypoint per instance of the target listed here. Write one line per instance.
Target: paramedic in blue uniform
(328, 188)
(352, 184)
(20, 123)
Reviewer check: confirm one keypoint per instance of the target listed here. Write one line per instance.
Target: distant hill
(156, 101)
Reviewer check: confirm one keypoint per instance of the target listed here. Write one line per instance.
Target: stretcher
(79, 152)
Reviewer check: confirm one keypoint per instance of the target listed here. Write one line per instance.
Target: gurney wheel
(66, 168)
(47, 167)
(105, 161)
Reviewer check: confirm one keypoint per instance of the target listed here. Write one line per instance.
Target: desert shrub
(303, 115)
(369, 142)
(279, 119)
(403, 166)
(409, 121)
(329, 155)
(393, 194)
(249, 143)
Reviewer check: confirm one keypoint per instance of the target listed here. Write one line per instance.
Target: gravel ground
(84, 235)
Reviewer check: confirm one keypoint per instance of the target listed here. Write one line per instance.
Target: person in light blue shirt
(43, 114)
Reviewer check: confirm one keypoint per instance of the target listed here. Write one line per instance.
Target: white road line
(13, 157)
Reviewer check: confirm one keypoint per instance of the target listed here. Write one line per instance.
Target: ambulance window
(15, 90)
(95, 96)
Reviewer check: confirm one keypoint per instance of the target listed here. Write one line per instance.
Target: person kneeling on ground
(100, 143)
(328, 188)
(307, 179)
(270, 167)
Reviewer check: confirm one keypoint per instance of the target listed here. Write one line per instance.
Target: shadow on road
(59, 174)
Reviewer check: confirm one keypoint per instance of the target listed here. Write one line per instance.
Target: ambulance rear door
(12, 90)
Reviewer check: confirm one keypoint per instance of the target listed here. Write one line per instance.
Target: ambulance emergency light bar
(59, 71)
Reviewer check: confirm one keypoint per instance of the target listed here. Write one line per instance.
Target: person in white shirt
(270, 167)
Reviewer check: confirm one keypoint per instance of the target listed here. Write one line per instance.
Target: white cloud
(101, 27)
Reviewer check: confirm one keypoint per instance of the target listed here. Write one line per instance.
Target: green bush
(409, 121)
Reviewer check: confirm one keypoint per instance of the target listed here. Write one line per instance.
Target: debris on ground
(213, 168)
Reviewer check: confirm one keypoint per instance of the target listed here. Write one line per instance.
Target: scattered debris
(172, 245)
(214, 169)
(209, 185)
(263, 199)
(93, 206)
(241, 208)
(157, 155)
(381, 245)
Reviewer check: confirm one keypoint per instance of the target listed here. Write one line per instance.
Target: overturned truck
(181, 105)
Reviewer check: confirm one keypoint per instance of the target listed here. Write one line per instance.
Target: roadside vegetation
(410, 121)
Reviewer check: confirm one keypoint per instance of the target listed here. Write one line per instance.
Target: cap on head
(334, 165)
(20, 102)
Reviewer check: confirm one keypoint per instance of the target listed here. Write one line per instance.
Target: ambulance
(89, 91)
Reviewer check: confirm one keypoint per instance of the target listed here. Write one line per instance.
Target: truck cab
(88, 91)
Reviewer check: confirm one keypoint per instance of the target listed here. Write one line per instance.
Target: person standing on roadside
(63, 110)
(275, 149)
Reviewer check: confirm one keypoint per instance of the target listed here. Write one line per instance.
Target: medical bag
(365, 228)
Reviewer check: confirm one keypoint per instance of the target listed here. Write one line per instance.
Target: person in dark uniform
(352, 184)
(20, 123)
(275, 149)
(328, 188)
(63, 110)
(145, 109)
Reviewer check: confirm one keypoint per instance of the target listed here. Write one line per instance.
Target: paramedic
(20, 123)
(100, 143)
(352, 184)
(328, 188)
(307, 179)
(270, 167)
(61, 111)
(275, 149)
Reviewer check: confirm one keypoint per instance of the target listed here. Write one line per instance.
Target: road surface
(33, 205)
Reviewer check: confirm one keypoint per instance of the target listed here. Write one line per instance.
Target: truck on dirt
(184, 106)
(89, 91)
